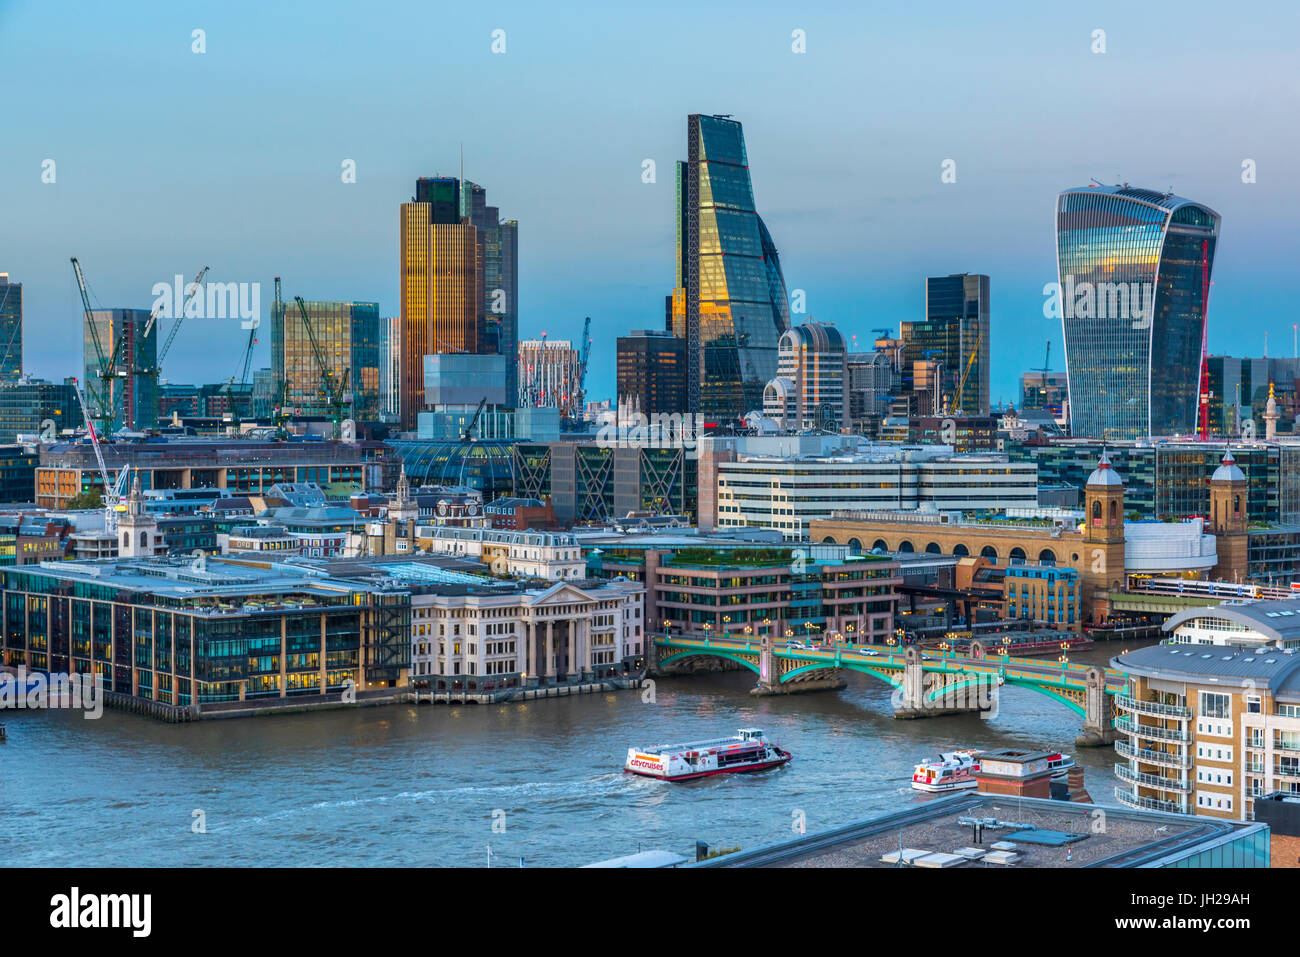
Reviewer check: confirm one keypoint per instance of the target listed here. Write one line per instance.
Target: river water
(438, 786)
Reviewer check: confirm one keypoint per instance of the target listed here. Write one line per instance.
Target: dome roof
(1228, 471)
(1104, 474)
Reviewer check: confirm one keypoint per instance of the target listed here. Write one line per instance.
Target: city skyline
(845, 243)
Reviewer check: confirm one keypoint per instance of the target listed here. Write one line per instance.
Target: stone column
(549, 665)
(530, 651)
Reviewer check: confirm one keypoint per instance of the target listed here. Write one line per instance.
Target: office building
(34, 407)
(440, 286)
(789, 494)
(11, 329)
(549, 374)
(1135, 267)
(808, 391)
(1047, 392)
(347, 336)
(730, 301)
(948, 351)
(120, 398)
(871, 381)
(498, 259)
(651, 372)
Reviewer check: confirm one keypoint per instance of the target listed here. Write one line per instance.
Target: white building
(548, 376)
(787, 494)
(466, 638)
(808, 391)
(554, 556)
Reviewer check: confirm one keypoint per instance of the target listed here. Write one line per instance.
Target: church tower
(1229, 519)
(137, 530)
(1101, 563)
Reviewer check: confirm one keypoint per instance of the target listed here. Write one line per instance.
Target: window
(1215, 705)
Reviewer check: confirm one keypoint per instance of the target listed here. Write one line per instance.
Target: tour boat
(954, 771)
(1060, 765)
(745, 751)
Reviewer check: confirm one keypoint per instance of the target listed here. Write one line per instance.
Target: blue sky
(167, 160)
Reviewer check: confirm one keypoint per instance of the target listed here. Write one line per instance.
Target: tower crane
(112, 493)
(961, 385)
(334, 394)
(580, 400)
(161, 354)
(107, 372)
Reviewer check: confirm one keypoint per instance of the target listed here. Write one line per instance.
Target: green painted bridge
(929, 683)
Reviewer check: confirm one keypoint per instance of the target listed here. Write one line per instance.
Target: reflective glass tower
(1134, 267)
(731, 304)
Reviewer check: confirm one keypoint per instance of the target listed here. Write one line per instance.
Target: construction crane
(580, 399)
(193, 290)
(1047, 362)
(961, 385)
(334, 394)
(468, 435)
(247, 361)
(112, 494)
(107, 372)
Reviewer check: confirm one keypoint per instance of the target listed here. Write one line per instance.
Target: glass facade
(1134, 267)
(956, 327)
(348, 335)
(11, 328)
(128, 401)
(734, 292)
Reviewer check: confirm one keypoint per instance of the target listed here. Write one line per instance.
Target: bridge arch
(707, 653)
(988, 551)
(960, 551)
(906, 546)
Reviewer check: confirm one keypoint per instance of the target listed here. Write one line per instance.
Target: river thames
(437, 786)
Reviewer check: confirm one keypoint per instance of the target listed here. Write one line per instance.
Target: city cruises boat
(747, 751)
(954, 771)
(1060, 765)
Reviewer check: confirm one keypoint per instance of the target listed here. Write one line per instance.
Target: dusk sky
(167, 159)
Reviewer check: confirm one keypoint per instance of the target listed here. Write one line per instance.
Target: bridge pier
(1099, 713)
(911, 697)
(769, 676)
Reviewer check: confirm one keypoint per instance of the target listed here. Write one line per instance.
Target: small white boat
(747, 751)
(1060, 765)
(954, 771)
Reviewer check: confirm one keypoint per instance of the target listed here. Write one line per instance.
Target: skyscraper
(127, 400)
(808, 391)
(441, 290)
(1134, 268)
(955, 328)
(730, 305)
(651, 373)
(498, 254)
(11, 329)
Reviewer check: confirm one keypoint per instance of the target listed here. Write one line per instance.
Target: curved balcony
(1152, 707)
(1125, 773)
(1150, 756)
(1151, 732)
(1129, 799)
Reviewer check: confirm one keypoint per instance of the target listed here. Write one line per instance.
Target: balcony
(1286, 771)
(1125, 726)
(1290, 746)
(1152, 707)
(1125, 773)
(1129, 799)
(1151, 756)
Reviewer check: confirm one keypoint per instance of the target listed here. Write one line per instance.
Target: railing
(1152, 707)
(1151, 731)
(1152, 780)
(1292, 747)
(1286, 770)
(1129, 799)
(1151, 756)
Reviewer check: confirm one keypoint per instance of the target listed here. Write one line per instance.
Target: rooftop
(1076, 835)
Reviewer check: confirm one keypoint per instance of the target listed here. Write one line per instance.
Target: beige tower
(137, 530)
(1101, 566)
(1229, 519)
